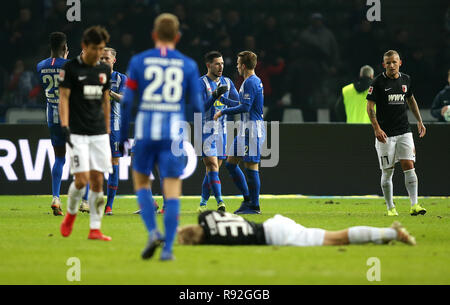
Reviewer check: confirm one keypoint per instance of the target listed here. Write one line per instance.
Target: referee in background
(85, 113)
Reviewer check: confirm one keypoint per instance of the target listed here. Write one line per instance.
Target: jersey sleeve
(107, 85)
(122, 82)
(249, 93)
(66, 77)
(233, 95)
(373, 92)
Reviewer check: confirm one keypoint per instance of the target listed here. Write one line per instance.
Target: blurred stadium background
(297, 74)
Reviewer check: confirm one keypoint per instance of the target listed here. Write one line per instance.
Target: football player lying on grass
(218, 228)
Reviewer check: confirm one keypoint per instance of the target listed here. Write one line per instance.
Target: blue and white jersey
(48, 70)
(118, 81)
(208, 86)
(251, 93)
(163, 80)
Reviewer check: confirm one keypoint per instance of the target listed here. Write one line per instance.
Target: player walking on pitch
(162, 78)
(247, 144)
(391, 91)
(85, 116)
(214, 134)
(49, 70)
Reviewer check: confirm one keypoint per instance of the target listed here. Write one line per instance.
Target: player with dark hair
(390, 92)
(85, 117)
(162, 79)
(214, 135)
(247, 144)
(218, 228)
(118, 81)
(49, 70)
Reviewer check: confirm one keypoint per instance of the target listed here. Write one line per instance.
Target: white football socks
(387, 186)
(411, 185)
(74, 198)
(362, 235)
(96, 209)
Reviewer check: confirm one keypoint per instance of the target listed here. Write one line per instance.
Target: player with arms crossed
(118, 81)
(213, 85)
(394, 141)
(49, 70)
(162, 78)
(218, 228)
(85, 115)
(247, 144)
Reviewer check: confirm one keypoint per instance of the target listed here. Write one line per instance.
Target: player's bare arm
(379, 133)
(106, 104)
(217, 115)
(64, 94)
(412, 103)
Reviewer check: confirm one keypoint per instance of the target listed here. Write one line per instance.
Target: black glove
(66, 132)
(219, 91)
(122, 148)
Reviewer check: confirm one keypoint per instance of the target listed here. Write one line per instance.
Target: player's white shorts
(396, 148)
(90, 153)
(283, 231)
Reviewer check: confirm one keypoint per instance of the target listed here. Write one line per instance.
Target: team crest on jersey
(370, 90)
(102, 77)
(404, 88)
(62, 73)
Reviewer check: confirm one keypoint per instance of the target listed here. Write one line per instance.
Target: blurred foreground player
(49, 70)
(390, 92)
(85, 114)
(161, 78)
(219, 228)
(118, 81)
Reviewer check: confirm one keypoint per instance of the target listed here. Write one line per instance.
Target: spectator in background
(267, 71)
(424, 77)
(351, 106)
(322, 50)
(23, 33)
(441, 102)
(21, 84)
(127, 49)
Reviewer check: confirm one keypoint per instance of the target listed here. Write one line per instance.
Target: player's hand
(219, 91)
(380, 135)
(444, 110)
(66, 132)
(421, 128)
(217, 115)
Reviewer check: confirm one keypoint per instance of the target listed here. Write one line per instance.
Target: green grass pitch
(32, 251)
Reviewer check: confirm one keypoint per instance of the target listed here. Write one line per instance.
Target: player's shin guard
(171, 213)
(387, 186)
(214, 182)
(74, 198)
(57, 170)
(254, 185)
(96, 209)
(239, 179)
(206, 190)
(411, 185)
(113, 182)
(145, 200)
(362, 234)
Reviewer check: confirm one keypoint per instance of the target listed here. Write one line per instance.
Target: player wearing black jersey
(220, 228)
(391, 91)
(85, 116)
